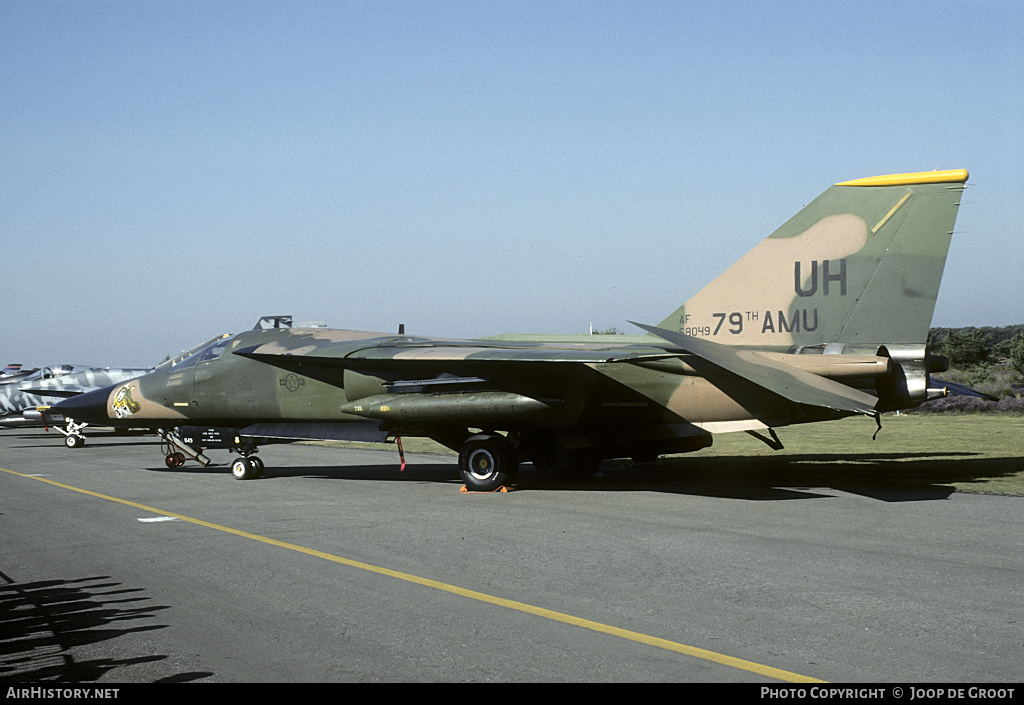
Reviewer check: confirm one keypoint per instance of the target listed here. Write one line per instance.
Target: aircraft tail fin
(859, 264)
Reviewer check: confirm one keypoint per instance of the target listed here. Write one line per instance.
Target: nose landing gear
(247, 468)
(73, 433)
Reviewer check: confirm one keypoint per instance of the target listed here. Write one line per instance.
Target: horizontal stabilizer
(782, 379)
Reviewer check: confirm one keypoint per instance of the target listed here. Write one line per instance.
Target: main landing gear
(487, 461)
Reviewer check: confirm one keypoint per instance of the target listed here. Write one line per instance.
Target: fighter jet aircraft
(826, 318)
(28, 401)
(13, 372)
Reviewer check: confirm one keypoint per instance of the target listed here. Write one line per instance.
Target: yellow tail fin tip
(958, 176)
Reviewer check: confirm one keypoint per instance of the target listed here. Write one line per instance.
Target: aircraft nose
(90, 407)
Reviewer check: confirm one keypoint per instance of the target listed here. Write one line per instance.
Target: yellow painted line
(657, 642)
(885, 219)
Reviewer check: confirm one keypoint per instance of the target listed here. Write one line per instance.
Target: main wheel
(487, 462)
(257, 466)
(243, 469)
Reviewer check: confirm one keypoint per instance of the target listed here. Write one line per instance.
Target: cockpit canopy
(56, 371)
(211, 350)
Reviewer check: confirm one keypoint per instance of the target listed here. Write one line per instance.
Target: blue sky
(174, 170)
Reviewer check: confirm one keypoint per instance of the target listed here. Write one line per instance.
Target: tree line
(970, 346)
(988, 359)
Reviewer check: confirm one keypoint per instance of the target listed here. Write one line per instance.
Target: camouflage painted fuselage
(621, 398)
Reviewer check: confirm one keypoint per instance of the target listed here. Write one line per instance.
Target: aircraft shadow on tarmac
(43, 622)
(889, 477)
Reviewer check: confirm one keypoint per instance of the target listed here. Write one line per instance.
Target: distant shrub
(990, 360)
(975, 405)
(1017, 353)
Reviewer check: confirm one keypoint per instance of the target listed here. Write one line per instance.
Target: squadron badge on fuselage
(123, 404)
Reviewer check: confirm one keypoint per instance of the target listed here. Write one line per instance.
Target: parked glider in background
(826, 318)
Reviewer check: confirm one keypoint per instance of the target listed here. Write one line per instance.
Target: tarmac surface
(337, 567)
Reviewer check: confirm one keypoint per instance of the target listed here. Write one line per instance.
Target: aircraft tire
(73, 441)
(243, 469)
(487, 462)
(257, 467)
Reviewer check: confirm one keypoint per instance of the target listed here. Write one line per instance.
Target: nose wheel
(247, 468)
(73, 436)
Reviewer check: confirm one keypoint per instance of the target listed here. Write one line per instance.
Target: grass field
(980, 453)
(968, 453)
